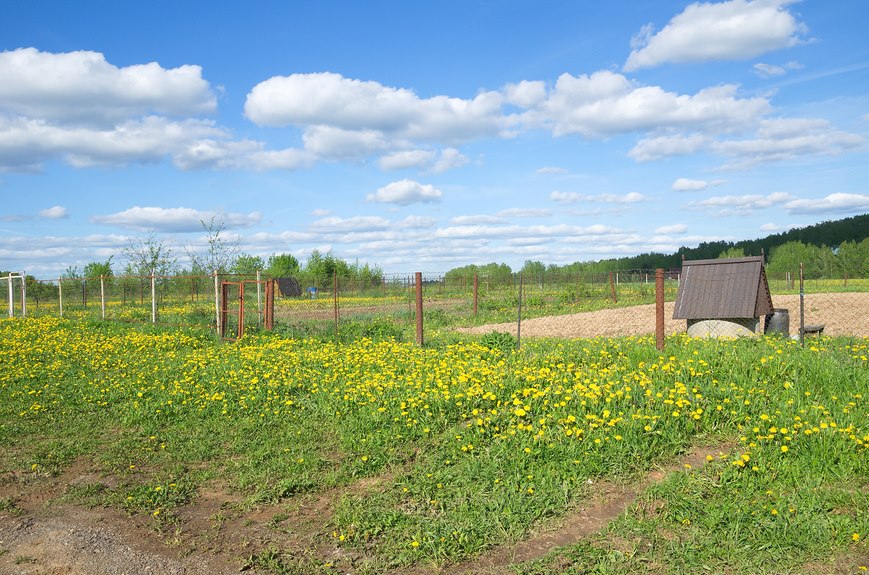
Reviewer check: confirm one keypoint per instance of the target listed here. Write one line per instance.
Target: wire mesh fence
(608, 304)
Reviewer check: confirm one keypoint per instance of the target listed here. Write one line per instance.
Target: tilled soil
(839, 313)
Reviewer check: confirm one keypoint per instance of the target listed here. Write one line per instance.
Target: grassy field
(447, 452)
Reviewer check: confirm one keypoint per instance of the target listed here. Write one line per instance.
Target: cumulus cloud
(575, 197)
(732, 30)
(525, 94)
(606, 103)
(27, 142)
(54, 213)
(330, 100)
(406, 192)
(673, 229)
(688, 185)
(406, 159)
(658, 147)
(838, 203)
(784, 139)
(449, 159)
(744, 205)
(83, 88)
(174, 219)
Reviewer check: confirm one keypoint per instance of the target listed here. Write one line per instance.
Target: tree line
(829, 249)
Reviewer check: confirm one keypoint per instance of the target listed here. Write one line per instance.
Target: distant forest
(828, 249)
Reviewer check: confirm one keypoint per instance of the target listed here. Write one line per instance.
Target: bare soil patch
(839, 313)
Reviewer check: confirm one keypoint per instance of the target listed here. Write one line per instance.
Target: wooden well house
(723, 297)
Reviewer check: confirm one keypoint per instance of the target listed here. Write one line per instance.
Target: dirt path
(840, 313)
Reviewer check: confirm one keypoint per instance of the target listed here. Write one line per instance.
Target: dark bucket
(778, 322)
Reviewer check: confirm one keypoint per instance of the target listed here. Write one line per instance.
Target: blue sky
(425, 136)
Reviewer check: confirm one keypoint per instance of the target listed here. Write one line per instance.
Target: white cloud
(673, 229)
(406, 159)
(354, 224)
(551, 170)
(417, 222)
(525, 94)
(54, 213)
(320, 213)
(785, 139)
(449, 159)
(174, 219)
(525, 213)
(481, 219)
(688, 185)
(330, 100)
(575, 197)
(771, 70)
(732, 30)
(406, 192)
(83, 88)
(739, 205)
(838, 203)
(656, 148)
(27, 143)
(607, 103)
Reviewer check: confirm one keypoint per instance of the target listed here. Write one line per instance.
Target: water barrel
(778, 322)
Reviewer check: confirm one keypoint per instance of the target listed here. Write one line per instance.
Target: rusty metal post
(613, 288)
(476, 293)
(270, 305)
(240, 309)
(224, 309)
(102, 297)
(153, 298)
(419, 331)
(659, 308)
(802, 310)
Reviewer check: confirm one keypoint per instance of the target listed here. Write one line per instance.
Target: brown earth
(839, 313)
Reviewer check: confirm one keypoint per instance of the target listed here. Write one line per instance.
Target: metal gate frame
(268, 311)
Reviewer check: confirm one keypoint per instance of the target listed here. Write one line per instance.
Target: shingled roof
(723, 288)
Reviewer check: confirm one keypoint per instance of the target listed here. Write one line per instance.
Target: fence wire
(546, 305)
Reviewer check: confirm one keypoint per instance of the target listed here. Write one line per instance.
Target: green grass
(433, 455)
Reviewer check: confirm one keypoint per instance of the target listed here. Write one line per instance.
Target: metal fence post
(335, 300)
(419, 326)
(802, 310)
(24, 294)
(11, 297)
(476, 293)
(659, 308)
(153, 297)
(259, 299)
(103, 297)
(217, 305)
(60, 295)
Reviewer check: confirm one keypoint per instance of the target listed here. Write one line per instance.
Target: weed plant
(471, 445)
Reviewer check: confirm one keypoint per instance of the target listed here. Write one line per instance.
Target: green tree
(282, 266)
(248, 265)
(149, 255)
(733, 252)
(99, 269)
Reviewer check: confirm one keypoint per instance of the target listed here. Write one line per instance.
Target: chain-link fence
(525, 305)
